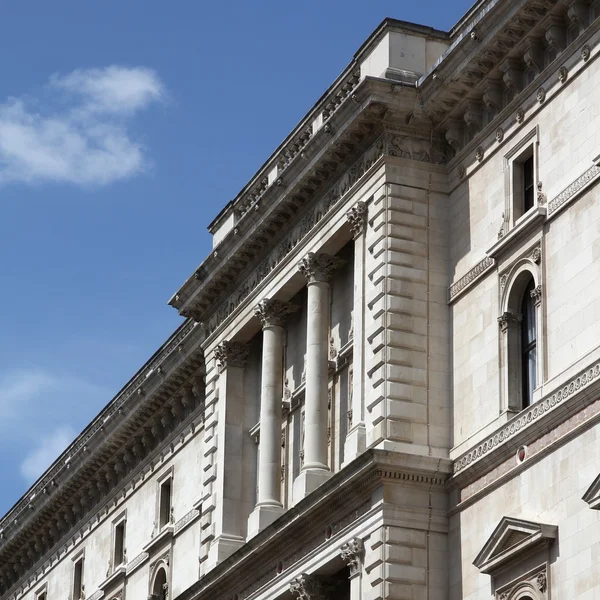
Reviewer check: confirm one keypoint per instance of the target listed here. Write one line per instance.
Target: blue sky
(124, 129)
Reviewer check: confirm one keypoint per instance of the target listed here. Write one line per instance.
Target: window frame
(78, 559)
(524, 276)
(119, 521)
(42, 592)
(164, 478)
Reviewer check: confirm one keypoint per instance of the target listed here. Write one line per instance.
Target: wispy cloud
(40, 413)
(81, 135)
(43, 454)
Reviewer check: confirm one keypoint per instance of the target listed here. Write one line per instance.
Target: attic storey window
(523, 192)
(78, 579)
(528, 191)
(119, 551)
(165, 503)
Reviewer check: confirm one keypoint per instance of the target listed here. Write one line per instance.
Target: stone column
(352, 554)
(317, 268)
(272, 315)
(229, 527)
(356, 440)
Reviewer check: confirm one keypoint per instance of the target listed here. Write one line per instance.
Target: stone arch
(159, 581)
(517, 280)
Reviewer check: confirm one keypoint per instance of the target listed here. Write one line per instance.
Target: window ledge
(114, 579)
(524, 226)
(166, 533)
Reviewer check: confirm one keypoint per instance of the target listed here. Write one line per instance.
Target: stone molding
(507, 318)
(512, 538)
(465, 282)
(274, 313)
(573, 189)
(185, 521)
(343, 501)
(592, 494)
(319, 267)
(231, 354)
(528, 418)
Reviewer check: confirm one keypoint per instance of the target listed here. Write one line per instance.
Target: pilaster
(228, 521)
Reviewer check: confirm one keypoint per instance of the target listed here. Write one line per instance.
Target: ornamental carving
(352, 554)
(574, 188)
(481, 267)
(231, 354)
(536, 294)
(520, 116)
(273, 313)
(461, 171)
(536, 255)
(479, 154)
(585, 52)
(418, 149)
(541, 95)
(319, 267)
(307, 587)
(499, 134)
(357, 217)
(508, 318)
(541, 582)
(563, 74)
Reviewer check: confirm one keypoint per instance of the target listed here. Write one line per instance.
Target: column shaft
(269, 471)
(317, 376)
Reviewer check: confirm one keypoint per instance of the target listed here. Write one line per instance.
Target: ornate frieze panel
(528, 417)
(483, 266)
(573, 189)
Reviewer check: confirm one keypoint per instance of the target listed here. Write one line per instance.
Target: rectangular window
(42, 594)
(78, 580)
(119, 549)
(523, 189)
(165, 503)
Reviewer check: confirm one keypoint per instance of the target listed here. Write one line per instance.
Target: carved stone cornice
(94, 464)
(319, 267)
(357, 217)
(231, 354)
(274, 313)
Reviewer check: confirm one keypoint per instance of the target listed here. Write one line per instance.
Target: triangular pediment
(592, 496)
(511, 538)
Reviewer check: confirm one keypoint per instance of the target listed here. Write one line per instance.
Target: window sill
(117, 576)
(525, 225)
(165, 534)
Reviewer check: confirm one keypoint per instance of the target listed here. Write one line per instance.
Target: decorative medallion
(536, 255)
(479, 154)
(461, 171)
(520, 115)
(499, 134)
(563, 73)
(541, 95)
(503, 281)
(585, 52)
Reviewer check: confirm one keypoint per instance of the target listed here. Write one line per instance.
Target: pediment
(592, 496)
(512, 538)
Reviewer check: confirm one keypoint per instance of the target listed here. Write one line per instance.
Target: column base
(261, 517)
(356, 443)
(308, 481)
(223, 547)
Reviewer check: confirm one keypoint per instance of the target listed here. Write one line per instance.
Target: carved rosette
(508, 318)
(357, 217)
(536, 294)
(585, 52)
(319, 267)
(273, 313)
(541, 582)
(541, 95)
(352, 554)
(520, 115)
(231, 354)
(563, 74)
(536, 255)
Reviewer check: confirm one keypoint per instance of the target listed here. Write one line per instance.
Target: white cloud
(17, 390)
(81, 136)
(47, 450)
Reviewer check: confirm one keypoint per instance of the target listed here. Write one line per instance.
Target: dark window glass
(165, 503)
(78, 580)
(528, 194)
(528, 345)
(120, 544)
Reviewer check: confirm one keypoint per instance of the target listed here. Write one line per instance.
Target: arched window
(520, 342)
(528, 345)
(160, 588)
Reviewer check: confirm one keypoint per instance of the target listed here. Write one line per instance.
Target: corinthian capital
(357, 217)
(307, 587)
(352, 554)
(319, 267)
(273, 313)
(231, 354)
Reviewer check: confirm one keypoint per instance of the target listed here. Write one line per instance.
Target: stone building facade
(387, 381)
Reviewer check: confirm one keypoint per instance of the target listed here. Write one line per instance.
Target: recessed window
(523, 189)
(42, 594)
(528, 345)
(165, 503)
(78, 580)
(119, 544)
